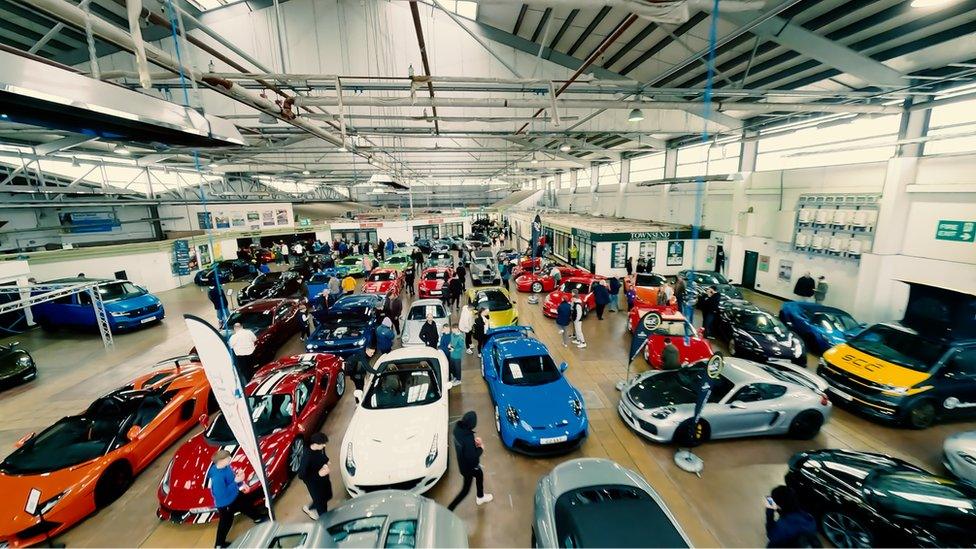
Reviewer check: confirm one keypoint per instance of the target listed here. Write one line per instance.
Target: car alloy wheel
(113, 483)
(341, 384)
(806, 424)
(921, 415)
(536, 287)
(844, 531)
(295, 456)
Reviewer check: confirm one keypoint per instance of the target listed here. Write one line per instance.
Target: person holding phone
(794, 527)
(314, 472)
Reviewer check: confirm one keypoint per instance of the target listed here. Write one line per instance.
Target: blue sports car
(820, 326)
(537, 411)
(348, 326)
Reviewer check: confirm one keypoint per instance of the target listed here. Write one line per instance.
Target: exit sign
(956, 231)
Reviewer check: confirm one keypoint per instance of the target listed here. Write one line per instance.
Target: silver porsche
(388, 518)
(417, 315)
(593, 502)
(959, 455)
(745, 399)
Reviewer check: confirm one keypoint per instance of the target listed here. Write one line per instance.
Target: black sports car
(227, 270)
(271, 285)
(755, 334)
(706, 279)
(16, 365)
(424, 244)
(872, 500)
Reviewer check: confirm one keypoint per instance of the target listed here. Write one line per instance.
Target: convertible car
(592, 502)
(388, 518)
(347, 326)
(388, 282)
(275, 284)
(226, 271)
(85, 462)
(746, 399)
(862, 499)
(403, 413)
(820, 326)
(433, 282)
(537, 410)
(582, 284)
(273, 321)
(16, 365)
(525, 265)
(288, 399)
(756, 334)
(691, 343)
(542, 281)
(501, 308)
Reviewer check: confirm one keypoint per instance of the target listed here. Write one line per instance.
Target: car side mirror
(133, 432)
(563, 366)
(203, 420)
(357, 395)
(25, 439)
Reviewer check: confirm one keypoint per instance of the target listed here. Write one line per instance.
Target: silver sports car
(959, 455)
(389, 518)
(592, 502)
(746, 399)
(416, 317)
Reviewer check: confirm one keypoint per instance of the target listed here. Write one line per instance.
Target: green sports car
(16, 365)
(354, 263)
(400, 262)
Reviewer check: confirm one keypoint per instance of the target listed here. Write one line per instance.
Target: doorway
(749, 270)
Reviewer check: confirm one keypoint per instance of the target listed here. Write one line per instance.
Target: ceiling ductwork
(42, 94)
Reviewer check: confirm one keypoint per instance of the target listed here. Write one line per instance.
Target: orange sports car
(645, 286)
(85, 462)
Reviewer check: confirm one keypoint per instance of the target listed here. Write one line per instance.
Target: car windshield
(493, 300)
(68, 442)
(678, 328)
(581, 287)
(398, 259)
(648, 280)
(899, 347)
(435, 275)
(256, 321)
(922, 496)
(831, 322)
(529, 370)
(676, 387)
(268, 413)
(119, 290)
(381, 277)
(420, 312)
(401, 385)
(267, 278)
(350, 261)
(361, 532)
(709, 278)
(440, 255)
(761, 322)
(319, 278)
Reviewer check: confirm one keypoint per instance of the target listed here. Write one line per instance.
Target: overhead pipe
(498, 103)
(419, 30)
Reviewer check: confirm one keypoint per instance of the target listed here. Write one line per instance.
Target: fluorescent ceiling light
(566, 147)
(120, 149)
(305, 172)
(931, 3)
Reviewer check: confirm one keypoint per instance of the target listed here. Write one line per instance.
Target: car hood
(339, 333)
(77, 481)
(386, 443)
(435, 284)
(378, 286)
(767, 340)
(540, 412)
(554, 298)
(502, 318)
(132, 303)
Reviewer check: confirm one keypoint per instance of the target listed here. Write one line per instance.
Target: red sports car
(289, 399)
(273, 321)
(387, 282)
(639, 309)
(526, 264)
(541, 281)
(691, 343)
(433, 282)
(582, 284)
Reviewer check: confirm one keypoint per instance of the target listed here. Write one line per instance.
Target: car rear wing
(178, 361)
(509, 330)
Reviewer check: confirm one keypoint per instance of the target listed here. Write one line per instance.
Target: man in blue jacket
(601, 296)
(564, 317)
(228, 498)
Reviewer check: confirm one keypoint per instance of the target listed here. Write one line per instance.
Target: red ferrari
(639, 309)
(691, 343)
(526, 264)
(387, 282)
(582, 284)
(289, 399)
(273, 321)
(541, 281)
(433, 282)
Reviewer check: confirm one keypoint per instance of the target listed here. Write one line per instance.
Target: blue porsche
(820, 326)
(537, 410)
(348, 326)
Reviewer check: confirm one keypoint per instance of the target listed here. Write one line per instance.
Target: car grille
(405, 485)
(38, 529)
(556, 448)
(845, 382)
(143, 310)
(649, 427)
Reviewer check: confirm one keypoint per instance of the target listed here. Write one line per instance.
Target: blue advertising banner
(181, 257)
(89, 222)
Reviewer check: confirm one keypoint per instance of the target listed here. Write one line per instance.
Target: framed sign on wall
(676, 253)
(618, 255)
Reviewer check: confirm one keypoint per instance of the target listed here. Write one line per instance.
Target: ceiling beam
(588, 30)
(528, 144)
(563, 28)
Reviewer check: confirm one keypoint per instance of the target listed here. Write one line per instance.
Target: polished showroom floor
(722, 508)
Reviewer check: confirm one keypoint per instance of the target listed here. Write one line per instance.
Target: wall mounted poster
(237, 219)
(204, 220)
(676, 253)
(222, 220)
(203, 250)
(785, 270)
(764, 263)
(710, 254)
(267, 218)
(618, 255)
(281, 217)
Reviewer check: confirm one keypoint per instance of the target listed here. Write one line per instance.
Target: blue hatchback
(127, 305)
(822, 327)
(348, 326)
(537, 410)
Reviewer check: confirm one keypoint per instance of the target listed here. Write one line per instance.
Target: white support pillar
(572, 181)
(749, 152)
(623, 188)
(594, 177)
(670, 163)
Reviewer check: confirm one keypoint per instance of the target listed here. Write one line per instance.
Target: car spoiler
(492, 332)
(178, 361)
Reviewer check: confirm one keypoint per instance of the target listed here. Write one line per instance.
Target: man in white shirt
(283, 253)
(298, 249)
(242, 343)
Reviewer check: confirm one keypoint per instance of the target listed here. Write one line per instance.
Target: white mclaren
(397, 438)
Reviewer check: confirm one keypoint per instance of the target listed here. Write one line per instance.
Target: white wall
(270, 215)
(17, 233)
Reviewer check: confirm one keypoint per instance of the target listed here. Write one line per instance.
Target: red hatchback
(691, 343)
(273, 321)
(388, 282)
(540, 281)
(289, 399)
(582, 284)
(433, 282)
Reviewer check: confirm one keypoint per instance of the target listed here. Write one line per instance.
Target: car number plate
(147, 320)
(841, 394)
(553, 440)
(435, 292)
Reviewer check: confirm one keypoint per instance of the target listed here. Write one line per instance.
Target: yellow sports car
(501, 309)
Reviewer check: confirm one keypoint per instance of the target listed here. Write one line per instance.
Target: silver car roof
(580, 473)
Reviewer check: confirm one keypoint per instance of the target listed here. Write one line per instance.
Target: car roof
(514, 345)
(276, 381)
(393, 504)
(412, 352)
(740, 371)
(425, 302)
(384, 270)
(80, 279)
(813, 307)
(358, 300)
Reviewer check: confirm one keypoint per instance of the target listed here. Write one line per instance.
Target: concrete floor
(723, 508)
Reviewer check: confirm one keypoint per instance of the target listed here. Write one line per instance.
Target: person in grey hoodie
(468, 449)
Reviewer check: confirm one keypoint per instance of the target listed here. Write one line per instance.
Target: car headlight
(164, 484)
(967, 458)
(25, 361)
(432, 453)
(360, 341)
(577, 406)
(311, 347)
(663, 413)
(350, 461)
(117, 314)
(797, 349)
(47, 505)
(822, 362)
(512, 415)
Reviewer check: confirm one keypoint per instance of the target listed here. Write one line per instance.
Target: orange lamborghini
(82, 463)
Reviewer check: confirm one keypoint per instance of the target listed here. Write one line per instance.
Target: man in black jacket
(805, 287)
(468, 449)
(462, 274)
(428, 332)
(709, 310)
(357, 366)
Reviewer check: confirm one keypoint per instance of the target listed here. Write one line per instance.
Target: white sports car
(397, 438)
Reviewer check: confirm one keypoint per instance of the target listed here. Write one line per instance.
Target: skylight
(207, 5)
(464, 8)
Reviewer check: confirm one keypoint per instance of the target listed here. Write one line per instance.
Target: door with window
(751, 409)
(749, 265)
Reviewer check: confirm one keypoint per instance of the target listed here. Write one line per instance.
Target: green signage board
(304, 222)
(955, 231)
(643, 236)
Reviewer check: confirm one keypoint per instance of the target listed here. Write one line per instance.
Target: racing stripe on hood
(269, 383)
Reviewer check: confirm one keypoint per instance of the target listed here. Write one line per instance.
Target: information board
(955, 231)
(618, 255)
(181, 257)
